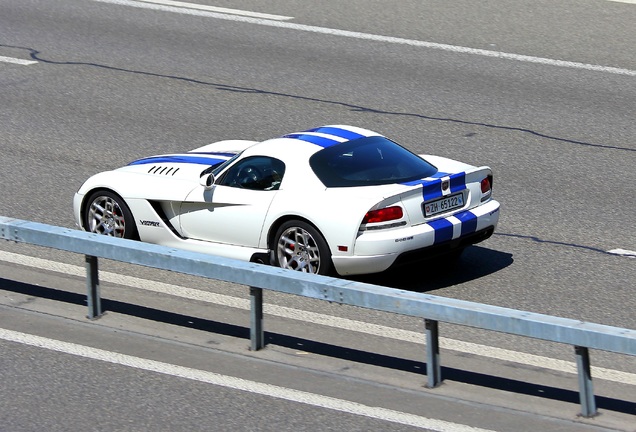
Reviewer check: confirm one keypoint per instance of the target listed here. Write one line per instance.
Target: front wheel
(299, 246)
(106, 213)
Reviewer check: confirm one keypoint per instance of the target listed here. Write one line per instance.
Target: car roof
(312, 140)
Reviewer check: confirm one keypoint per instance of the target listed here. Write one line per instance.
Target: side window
(255, 173)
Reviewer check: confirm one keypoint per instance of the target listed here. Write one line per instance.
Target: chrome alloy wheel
(105, 216)
(297, 250)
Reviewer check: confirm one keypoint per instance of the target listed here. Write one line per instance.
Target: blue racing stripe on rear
(469, 222)
(427, 180)
(412, 183)
(440, 174)
(342, 133)
(443, 230)
(457, 182)
(314, 139)
(178, 159)
(432, 189)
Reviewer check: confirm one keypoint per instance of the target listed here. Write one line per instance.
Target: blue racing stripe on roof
(215, 153)
(339, 132)
(314, 139)
(178, 159)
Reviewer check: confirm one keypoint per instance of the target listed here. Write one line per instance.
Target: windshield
(368, 161)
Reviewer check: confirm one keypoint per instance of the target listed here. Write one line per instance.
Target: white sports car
(334, 199)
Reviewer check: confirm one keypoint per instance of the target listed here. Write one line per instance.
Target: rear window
(368, 161)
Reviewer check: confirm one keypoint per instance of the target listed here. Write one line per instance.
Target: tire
(299, 246)
(106, 213)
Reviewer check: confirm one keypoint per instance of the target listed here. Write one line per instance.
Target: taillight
(383, 215)
(486, 187)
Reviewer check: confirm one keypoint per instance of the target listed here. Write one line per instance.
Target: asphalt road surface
(544, 92)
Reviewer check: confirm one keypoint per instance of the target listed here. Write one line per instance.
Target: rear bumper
(444, 248)
(377, 251)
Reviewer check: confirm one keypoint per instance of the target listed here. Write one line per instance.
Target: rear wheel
(299, 246)
(106, 213)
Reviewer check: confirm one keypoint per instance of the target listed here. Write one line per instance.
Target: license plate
(443, 205)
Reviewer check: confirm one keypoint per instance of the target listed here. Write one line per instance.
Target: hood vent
(163, 170)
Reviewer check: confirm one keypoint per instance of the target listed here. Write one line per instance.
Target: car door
(233, 210)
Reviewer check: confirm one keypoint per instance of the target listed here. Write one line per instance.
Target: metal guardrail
(433, 309)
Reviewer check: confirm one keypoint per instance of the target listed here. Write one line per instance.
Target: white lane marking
(623, 252)
(16, 61)
(269, 390)
(378, 38)
(321, 319)
(623, 1)
(217, 9)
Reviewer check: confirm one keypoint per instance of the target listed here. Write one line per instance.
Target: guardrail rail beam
(433, 309)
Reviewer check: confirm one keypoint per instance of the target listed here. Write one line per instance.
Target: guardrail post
(92, 288)
(257, 337)
(433, 365)
(586, 389)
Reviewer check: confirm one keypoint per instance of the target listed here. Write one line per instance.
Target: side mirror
(207, 181)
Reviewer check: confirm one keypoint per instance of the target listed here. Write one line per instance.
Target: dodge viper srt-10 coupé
(330, 200)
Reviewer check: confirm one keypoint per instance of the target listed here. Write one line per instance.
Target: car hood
(184, 165)
(164, 177)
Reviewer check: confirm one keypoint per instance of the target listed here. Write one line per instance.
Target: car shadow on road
(475, 262)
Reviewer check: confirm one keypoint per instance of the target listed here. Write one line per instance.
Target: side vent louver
(159, 169)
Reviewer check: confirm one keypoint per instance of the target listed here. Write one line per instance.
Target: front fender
(131, 185)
